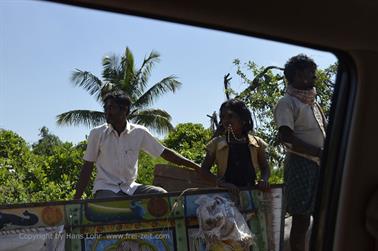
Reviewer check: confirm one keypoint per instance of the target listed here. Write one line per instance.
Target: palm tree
(122, 75)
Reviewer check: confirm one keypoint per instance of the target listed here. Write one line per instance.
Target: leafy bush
(189, 140)
(26, 176)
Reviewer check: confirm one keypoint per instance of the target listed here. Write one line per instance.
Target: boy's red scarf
(305, 96)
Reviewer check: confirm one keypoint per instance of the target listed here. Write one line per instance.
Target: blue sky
(42, 43)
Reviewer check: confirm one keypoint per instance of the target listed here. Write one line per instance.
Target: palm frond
(144, 72)
(165, 85)
(88, 81)
(112, 71)
(120, 73)
(128, 70)
(155, 119)
(131, 90)
(81, 117)
(108, 87)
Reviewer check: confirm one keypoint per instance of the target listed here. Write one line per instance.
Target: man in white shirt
(301, 124)
(114, 147)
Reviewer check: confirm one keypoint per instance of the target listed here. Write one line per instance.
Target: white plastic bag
(220, 220)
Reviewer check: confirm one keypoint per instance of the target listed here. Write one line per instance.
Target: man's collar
(128, 127)
(110, 128)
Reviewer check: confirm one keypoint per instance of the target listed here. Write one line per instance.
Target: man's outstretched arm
(85, 175)
(177, 159)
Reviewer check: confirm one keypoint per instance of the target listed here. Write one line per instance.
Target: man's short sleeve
(151, 145)
(284, 113)
(93, 147)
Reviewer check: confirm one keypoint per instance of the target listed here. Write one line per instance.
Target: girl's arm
(208, 176)
(264, 169)
(204, 171)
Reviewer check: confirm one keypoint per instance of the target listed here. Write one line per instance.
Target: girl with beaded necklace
(236, 152)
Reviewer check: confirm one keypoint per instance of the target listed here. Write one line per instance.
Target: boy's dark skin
(116, 115)
(303, 80)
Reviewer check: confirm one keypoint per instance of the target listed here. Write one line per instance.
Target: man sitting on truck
(115, 146)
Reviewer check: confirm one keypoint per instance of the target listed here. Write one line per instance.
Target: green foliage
(325, 82)
(276, 176)
(189, 140)
(146, 165)
(11, 145)
(47, 172)
(46, 142)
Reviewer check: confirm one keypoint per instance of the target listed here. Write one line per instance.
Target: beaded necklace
(231, 131)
